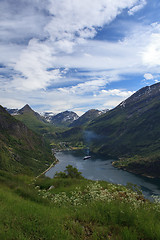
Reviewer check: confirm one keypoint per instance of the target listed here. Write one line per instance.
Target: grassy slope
(46, 129)
(21, 150)
(30, 211)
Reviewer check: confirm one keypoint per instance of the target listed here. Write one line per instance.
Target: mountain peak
(64, 118)
(25, 109)
(86, 117)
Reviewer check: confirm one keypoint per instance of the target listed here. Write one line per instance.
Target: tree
(69, 172)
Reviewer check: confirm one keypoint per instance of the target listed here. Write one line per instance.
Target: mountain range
(62, 119)
(130, 132)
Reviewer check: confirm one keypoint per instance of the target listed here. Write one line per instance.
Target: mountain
(75, 136)
(131, 131)
(64, 118)
(31, 118)
(36, 122)
(28, 110)
(21, 150)
(87, 117)
(25, 109)
(48, 115)
(12, 111)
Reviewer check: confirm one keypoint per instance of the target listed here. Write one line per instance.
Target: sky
(76, 55)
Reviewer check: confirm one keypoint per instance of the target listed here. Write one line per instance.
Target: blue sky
(59, 55)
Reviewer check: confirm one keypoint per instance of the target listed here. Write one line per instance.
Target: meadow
(71, 207)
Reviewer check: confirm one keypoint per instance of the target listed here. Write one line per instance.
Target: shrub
(69, 172)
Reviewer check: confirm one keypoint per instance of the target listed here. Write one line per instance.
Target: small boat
(86, 157)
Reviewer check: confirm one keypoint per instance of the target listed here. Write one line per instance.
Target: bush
(69, 172)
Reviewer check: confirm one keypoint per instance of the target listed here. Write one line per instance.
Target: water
(97, 168)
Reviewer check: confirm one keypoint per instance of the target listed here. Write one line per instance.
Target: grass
(43, 128)
(74, 209)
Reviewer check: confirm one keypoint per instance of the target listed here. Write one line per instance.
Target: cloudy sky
(76, 55)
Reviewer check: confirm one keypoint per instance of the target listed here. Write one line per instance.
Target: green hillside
(21, 150)
(37, 123)
(131, 130)
(86, 118)
(74, 209)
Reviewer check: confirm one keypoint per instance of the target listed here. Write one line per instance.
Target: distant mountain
(47, 115)
(31, 118)
(21, 150)
(131, 129)
(76, 134)
(87, 117)
(28, 110)
(12, 111)
(64, 118)
(36, 122)
(25, 109)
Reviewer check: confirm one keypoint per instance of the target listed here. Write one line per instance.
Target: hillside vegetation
(131, 131)
(21, 150)
(86, 118)
(37, 123)
(74, 208)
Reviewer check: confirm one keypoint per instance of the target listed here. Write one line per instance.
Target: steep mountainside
(132, 128)
(64, 118)
(28, 110)
(35, 122)
(21, 150)
(86, 118)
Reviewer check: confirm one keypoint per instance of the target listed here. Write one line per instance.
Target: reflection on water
(100, 169)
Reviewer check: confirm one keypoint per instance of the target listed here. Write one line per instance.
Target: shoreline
(136, 173)
(52, 165)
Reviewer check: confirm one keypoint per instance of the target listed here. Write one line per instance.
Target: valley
(129, 133)
(80, 120)
(30, 143)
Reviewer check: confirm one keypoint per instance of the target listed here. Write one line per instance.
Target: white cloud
(151, 54)
(55, 34)
(10, 53)
(104, 55)
(61, 100)
(61, 25)
(118, 92)
(11, 103)
(81, 17)
(86, 87)
(112, 97)
(151, 78)
(32, 66)
(138, 7)
(22, 20)
(148, 76)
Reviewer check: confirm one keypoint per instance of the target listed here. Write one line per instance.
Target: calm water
(100, 169)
